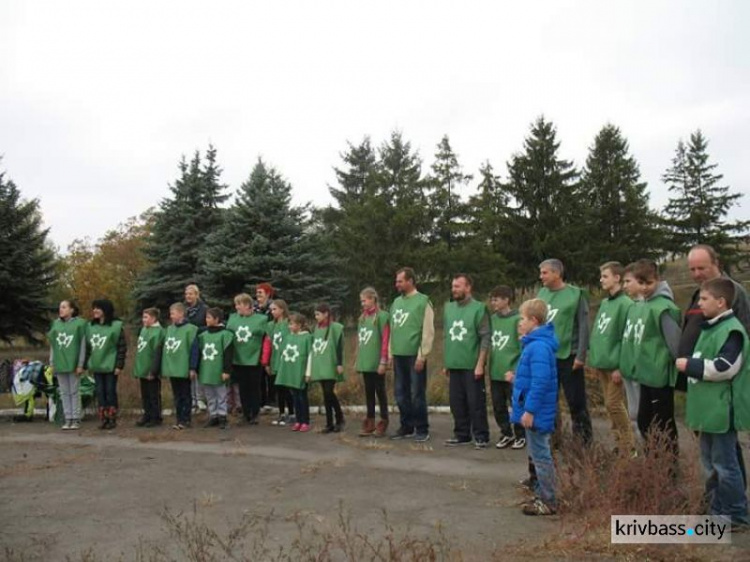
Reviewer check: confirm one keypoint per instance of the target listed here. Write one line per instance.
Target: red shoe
(304, 428)
(296, 427)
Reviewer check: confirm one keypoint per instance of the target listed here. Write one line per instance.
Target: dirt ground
(102, 495)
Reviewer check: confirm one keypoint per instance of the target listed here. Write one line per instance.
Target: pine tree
(180, 228)
(543, 221)
(619, 223)
(697, 212)
(27, 266)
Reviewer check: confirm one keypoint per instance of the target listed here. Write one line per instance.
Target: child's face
(710, 305)
(65, 310)
(211, 321)
(276, 312)
(191, 296)
(148, 320)
(498, 303)
(609, 280)
(647, 288)
(367, 303)
(320, 316)
(630, 286)
(294, 327)
(526, 324)
(97, 313)
(176, 316)
(243, 308)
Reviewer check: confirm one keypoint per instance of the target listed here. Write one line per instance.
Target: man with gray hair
(569, 314)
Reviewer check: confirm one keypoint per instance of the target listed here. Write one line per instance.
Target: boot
(368, 427)
(103, 419)
(112, 418)
(381, 428)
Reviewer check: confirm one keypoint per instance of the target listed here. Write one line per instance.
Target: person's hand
(419, 364)
(79, 371)
(510, 376)
(478, 372)
(225, 377)
(445, 372)
(340, 369)
(193, 375)
(150, 377)
(307, 380)
(577, 364)
(616, 376)
(527, 420)
(268, 370)
(681, 364)
(381, 369)
(117, 372)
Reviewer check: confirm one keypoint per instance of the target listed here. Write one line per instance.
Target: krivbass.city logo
(671, 529)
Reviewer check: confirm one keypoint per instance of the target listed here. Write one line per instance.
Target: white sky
(98, 100)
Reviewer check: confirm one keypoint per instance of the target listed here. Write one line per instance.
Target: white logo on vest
(97, 341)
(172, 344)
(603, 323)
(551, 315)
(458, 331)
(64, 340)
(365, 335)
(277, 340)
(400, 317)
(243, 334)
(319, 346)
(142, 343)
(638, 331)
(290, 353)
(210, 352)
(499, 341)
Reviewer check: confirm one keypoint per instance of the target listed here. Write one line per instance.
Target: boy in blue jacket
(535, 400)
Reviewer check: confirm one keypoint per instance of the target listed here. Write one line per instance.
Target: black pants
(468, 402)
(331, 402)
(375, 387)
(183, 400)
(151, 399)
(284, 397)
(656, 411)
(502, 397)
(106, 389)
(267, 392)
(573, 382)
(249, 379)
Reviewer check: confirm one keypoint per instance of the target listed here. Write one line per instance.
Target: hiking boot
(504, 441)
(519, 443)
(456, 442)
(381, 428)
(402, 433)
(368, 427)
(538, 507)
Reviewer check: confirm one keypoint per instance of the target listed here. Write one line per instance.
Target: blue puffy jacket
(535, 384)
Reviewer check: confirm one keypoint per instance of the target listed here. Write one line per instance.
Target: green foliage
(27, 266)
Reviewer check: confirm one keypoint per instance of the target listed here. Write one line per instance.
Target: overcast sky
(98, 100)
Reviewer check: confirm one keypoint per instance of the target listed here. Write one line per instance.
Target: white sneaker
(201, 406)
(66, 425)
(75, 425)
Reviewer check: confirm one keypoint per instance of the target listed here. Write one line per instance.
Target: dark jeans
(411, 394)
(267, 391)
(182, 399)
(301, 405)
(573, 382)
(468, 401)
(284, 397)
(656, 411)
(725, 488)
(375, 386)
(106, 389)
(331, 402)
(151, 399)
(249, 378)
(502, 397)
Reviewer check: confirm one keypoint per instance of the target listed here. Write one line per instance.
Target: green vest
(606, 333)
(277, 331)
(506, 345)
(407, 317)
(102, 340)
(149, 341)
(461, 334)
(248, 337)
(324, 361)
(627, 345)
(293, 360)
(175, 359)
(709, 403)
(563, 306)
(369, 339)
(65, 339)
(654, 365)
(212, 347)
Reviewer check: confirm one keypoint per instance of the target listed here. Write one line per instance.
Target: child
(215, 366)
(180, 356)
(277, 329)
(504, 353)
(249, 330)
(718, 381)
(294, 369)
(147, 367)
(67, 357)
(626, 363)
(106, 351)
(327, 364)
(656, 335)
(604, 351)
(372, 358)
(535, 399)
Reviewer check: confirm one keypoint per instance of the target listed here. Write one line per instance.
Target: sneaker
(22, 418)
(75, 425)
(538, 507)
(304, 428)
(402, 433)
(279, 421)
(223, 423)
(67, 425)
(503, 442)
(328, 429)
(519, 443)
(479, 445)
(212, 422)
(143, 422)
(201, 406)
(296, 427)
(178, 426)
(421, 437)
(339, 427)
(456, 442)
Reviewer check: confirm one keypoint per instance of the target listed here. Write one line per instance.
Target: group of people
(638, 347)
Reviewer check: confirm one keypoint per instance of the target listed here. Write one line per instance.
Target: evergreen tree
(696, 214)
(27, 266)
(620, 225)
(180, 228)
(266, 239)
(544, 219)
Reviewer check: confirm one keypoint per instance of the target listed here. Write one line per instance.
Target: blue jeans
(725, 489)
(301, 405)
(411, 394)
(541, 455)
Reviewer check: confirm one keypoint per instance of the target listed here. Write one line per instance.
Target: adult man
(467, 340)
(412, 334)
(568, 313)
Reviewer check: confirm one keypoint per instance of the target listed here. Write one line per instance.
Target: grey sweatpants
(633, 396)
(216, 396)
(71, 401)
